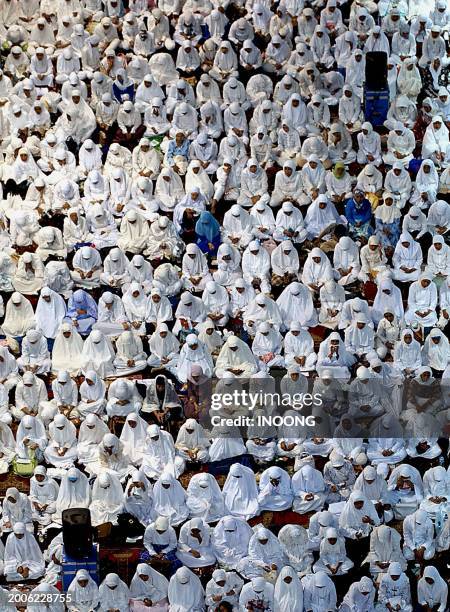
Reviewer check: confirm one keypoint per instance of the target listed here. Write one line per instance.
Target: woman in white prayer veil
(107, 499)
(438, 260)
(357, 508)
(204, 498)
(43, 494)
(212, 339)
(67, 350)
(265, 555)
(196, 176)
(115, 269)
(160, 454)
(134, 232)
(45, 592)
(296, 304)
(185, 592)
(90, 157)
(113, 593)
(29, 275)
(92, 395)
(296, 547)
(61, 450)
(169, 189)
(194, 352)
(83, 593)
(275, 493)
(230, 540)
(130, 357)
(163, 239)
(332, 299)
(238, 226)
(96, 188)
(236, 357)
(267, 346)
(432, 590)
(92, 432)
(31, 438)
(19, 316)
(138, 497)
(195, 536)
(436, 351)
(35, 355)
(240, 492)
(422, 302)
(228, 266)
(135, 303)
(22, 552)
(192, 442)
(133, 438)
(140, 271)
(74, 492)
(384, 548)
(148, 590)
(436, 141)
(169, 499)
(216, 301)
(195, 270)
(164, 348)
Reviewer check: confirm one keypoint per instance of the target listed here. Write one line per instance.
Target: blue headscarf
(81, 300)
(207, 226)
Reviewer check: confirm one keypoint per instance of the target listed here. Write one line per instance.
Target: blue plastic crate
(376, 106)
(70, 566)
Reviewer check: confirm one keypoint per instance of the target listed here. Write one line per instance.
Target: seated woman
(407, 354)
(208, 234)
(107, 499)
(23, 557)
(61, 450)
(308, 487)
(123, 398)
(192, 442)
(87, 265)
(358, 517)
(387, 221)
(16, 508)
(164, 349)
(35, 356)
(169, 499)
(137, 497)
(92, 395)
(394, 589)
(160, 541)
(83, 592)
(267, 346)
(240, 492)
(30, 392)
(112, 319)
(418, 537)
(82, 312)
(436, 488)
(406, 484)
(29, 276)
(334, 356)
(130, 357)
(148, 589)
(265, 555)
(333, 558)
(194, 544)
(384, 549)
(407, 259)
(275, 493)
(115, 269)
(43, 495)
(133, 438)
(204, 498)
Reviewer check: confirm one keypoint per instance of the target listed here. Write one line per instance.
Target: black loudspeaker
(77, 532)
(376, 70)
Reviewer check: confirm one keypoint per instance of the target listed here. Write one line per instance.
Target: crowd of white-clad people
(190, 190)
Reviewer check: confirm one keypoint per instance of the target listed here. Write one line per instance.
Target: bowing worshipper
(113, 594)
(115, 269)
(112, 320)
(432, 590)
(192, 442)
(123, 398)
(19, 316)
(160, 454)
(394, 589)
(240, 492)
(50, 312)
(334, 356)
(50, 243)
(406, 483)
(339, 476)
(137, 497)
(319, 592)
(31, 439)
(316, 270)
(265, 556)
(130, 357)
(133, 233)
(299, 349)
(30, 392)
(23, 557)
(110, 457)
(35, 356)
(107, 499)
(67, 350)
(83, 592)
(148, 590)
(204, 495)
(16, 509)
(43, 495)
(185, 591)
(29, 275)
(169, 499)
(98, 354)
(133, 438)
(92, 395)
(407, 259)
(360, 596)
(275, 493)
(296, 547)
(309, 490)
(236, 357)
(194, 544)
(333, 558)
(61, 450)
